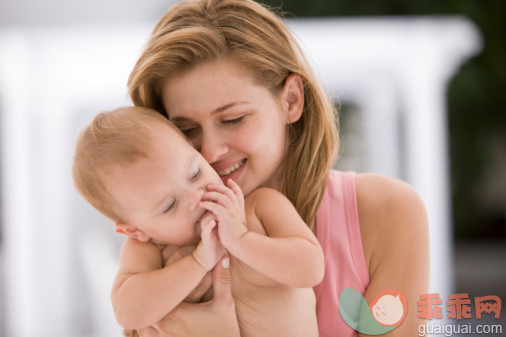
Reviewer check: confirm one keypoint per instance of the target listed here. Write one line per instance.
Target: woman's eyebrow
(227, 106)
(215, 111)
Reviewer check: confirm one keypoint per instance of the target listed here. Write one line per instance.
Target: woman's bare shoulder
(379, 191)
(391, 214)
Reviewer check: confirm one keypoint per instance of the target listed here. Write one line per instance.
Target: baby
(137, 169)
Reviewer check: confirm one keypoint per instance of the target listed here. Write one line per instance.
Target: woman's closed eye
(188, 131)
(233, 121)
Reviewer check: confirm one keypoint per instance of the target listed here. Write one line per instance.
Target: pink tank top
(338, 231)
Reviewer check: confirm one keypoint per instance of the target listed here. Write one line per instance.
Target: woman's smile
(233, 171)
(230, 169)
(251, 150)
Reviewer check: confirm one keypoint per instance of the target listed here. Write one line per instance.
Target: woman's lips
(232, 172)
(231, 168)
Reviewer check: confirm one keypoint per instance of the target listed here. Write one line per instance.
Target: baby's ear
(131, 231)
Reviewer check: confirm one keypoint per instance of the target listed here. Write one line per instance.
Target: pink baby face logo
(389, 307)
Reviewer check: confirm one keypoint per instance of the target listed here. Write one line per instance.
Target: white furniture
(397, 71)
(60, 255)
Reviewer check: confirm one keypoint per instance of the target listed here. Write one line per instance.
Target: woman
(230, 75)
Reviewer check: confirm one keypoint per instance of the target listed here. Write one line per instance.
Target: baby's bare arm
(204, 290)
(290, 254)
(144, 291)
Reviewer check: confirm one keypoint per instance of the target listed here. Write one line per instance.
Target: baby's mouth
(197, 223)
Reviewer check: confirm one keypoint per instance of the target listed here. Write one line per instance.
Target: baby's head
(136, 168)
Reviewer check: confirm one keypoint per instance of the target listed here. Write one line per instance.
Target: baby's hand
(227, 204)
(210, 250)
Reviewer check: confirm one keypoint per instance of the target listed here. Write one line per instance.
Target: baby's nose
(194, 199)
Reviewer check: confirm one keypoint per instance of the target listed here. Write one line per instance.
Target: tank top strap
(338, 231)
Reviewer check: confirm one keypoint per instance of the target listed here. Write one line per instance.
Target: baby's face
(160, 195)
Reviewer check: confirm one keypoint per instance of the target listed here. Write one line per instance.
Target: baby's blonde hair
(118, 137)
(198, 31)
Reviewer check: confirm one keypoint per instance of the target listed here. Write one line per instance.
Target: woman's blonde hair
(197, 31)
(117, 137)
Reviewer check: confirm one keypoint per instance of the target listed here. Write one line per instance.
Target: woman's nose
(213, 146)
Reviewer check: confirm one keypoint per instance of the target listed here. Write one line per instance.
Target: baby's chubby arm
(290, 254)
(144, 291)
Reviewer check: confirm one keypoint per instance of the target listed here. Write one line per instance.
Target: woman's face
(239, 127)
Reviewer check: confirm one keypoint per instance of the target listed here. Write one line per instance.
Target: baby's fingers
(215, 238)
(218, 197)
(213, 207)
(236, 189)
(208, 216)
(222, 189)
(206, 231)
(209, 226)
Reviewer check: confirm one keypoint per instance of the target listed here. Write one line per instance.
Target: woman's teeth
(230, 169)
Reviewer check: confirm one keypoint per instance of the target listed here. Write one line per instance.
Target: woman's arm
(394, 229)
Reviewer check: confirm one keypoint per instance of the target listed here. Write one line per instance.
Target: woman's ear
(293, 97)
(131, 231)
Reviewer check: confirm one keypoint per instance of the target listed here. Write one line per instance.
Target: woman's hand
(214, 318)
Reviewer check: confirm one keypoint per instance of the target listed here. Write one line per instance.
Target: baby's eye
(171, 206)
(195, 174)
(234, 121)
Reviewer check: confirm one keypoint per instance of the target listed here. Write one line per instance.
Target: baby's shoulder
(137, 256)
(263, 196)
(133, 245)
(257, 204)
(268, 203)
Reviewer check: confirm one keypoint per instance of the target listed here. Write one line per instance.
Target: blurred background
(420, 86)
